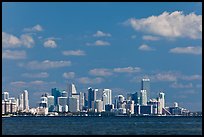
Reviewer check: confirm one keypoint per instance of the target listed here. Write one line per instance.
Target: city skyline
(105, 46)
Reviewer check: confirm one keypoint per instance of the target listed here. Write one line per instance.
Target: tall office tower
(81, 101)
(64, 94)
(5, 96)
(98, 105)
(91, 96)
(50, 103)
(62, 103)
(130, 106)
(98, 94)
(56, 93)
(161, 100)
(135, 97)
(105, 100)
(73, 104)
(21, 106)
(71, 89)
(143, 97)
(3, 107)
(26, 101)
(145, 85)
(109, 95)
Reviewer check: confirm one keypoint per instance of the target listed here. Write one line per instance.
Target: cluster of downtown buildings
(94, 100)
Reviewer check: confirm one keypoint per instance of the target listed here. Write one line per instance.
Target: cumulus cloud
(150, 38)
(46, 64)
(98, 43)
(73, 53)
(175, 24)
(100, 72)
(50, 43)
(16, 54)
(11, 41)
(36, 75)
(86, 80)
(27, 40)
(127, 70)
(187, 50)
(101, 34)
(68, 75)
(35, 28)
(145, 47)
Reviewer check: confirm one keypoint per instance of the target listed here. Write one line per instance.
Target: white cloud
(68, 75)
(145, 47)
(127, 70)
(16, 54)
(35, 28)
(191, 77)
(149, 37)
(18, 83)
(46, 64)
(179, 85)
(27, 40)
(173, 25)
(187, 50)
(42, 84)
(36, 75)
(86, 80)
(101, 34)
(165, 76)
(98, 43)
(100, 72)
(50, 44)
(73, 53)
(10, 41)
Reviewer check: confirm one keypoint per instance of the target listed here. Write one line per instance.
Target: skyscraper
(91, 96)
(62, 102)
(56, 93)
(145, 85)
(50, 102)
(26, 101)
(161, 101)
(143, 97)
(5, 96)
(71, 89)
(109, 95)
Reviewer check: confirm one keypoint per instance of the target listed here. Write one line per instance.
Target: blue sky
(104, 45)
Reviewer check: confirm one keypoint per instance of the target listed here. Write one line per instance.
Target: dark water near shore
(102, 125)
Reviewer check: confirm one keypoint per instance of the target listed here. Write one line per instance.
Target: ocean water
(61, 125)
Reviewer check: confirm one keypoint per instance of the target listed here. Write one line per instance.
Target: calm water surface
(101, 125)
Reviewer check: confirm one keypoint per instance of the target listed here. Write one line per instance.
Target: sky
(104, 45)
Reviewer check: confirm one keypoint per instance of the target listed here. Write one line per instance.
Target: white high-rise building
(26, 101)
(21, 100)
(161, 100)
(73, 89)
(5, 96)
(109, 95)
(143, 97)
(104, 99)
(73, 104)
(98, 106)
(62, 101)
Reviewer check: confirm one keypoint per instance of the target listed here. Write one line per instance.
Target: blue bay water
(61, 125)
